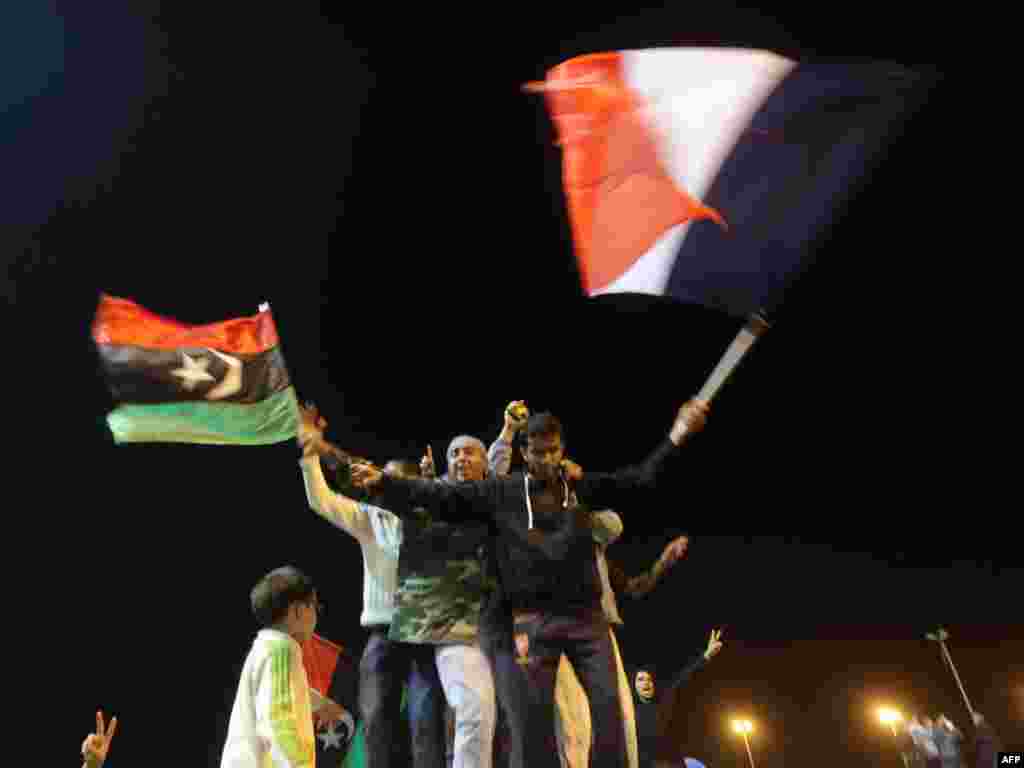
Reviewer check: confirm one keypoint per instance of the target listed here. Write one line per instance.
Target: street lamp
(891, 717)
(744, 728)
(940, 636)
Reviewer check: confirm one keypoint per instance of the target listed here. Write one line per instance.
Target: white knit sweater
(367, 525)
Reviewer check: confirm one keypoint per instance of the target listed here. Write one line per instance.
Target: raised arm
(499, 455)
(337, 509)
(613, 489)
(713, 647)
(642, 584)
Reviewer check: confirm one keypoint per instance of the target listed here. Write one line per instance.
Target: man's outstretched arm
(613, 489)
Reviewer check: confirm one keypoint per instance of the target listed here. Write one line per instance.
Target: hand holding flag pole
(754, 328)
(311, 438)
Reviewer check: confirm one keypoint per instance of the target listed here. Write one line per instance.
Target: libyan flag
(332, 674)
(220, 384)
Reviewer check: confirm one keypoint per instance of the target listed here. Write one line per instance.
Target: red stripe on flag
(621, 198)
(320, 658)
(121, 321)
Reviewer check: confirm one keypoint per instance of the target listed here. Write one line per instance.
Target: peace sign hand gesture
(96, 745)
(714, 644)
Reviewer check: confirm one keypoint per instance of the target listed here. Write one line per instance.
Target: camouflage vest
(442, 581)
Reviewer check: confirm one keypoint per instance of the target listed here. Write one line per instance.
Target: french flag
(714, 175)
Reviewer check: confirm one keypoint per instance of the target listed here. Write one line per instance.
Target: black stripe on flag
(142, 375)
(334, 743)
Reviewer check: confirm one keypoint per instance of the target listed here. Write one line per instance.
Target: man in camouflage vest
(442, 582)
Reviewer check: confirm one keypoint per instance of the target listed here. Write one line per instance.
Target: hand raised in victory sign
(714, 644)
(96, 745)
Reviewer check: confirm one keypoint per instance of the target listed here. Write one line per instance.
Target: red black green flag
(333, 674)
(224, 383)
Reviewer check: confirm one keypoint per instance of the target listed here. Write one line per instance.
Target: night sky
(378, 177)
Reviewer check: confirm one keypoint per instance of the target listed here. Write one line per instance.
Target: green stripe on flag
(269, 421)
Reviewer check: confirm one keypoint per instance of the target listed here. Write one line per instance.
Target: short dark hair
(544, 424)
(275, 593)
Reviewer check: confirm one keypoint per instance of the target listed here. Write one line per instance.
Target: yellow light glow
(889, 716)
(742, 726)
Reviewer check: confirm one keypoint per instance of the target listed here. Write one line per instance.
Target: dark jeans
(585, 640)
(521, 725)
(526, 686)
(385, 667)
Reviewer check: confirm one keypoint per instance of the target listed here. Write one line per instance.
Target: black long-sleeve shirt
(647, 710)
(546, 563)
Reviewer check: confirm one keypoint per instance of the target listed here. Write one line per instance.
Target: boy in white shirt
(272, 720)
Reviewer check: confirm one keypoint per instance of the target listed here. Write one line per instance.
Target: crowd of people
(928, 742)
(487, 592)
(490, 604)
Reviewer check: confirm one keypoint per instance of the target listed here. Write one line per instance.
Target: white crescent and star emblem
(194, 371)
(332, 738)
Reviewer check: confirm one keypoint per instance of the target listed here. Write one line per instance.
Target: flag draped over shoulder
(223, 384)
(331, 672)
(711, 174)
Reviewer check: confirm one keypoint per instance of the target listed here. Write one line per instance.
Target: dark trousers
(519, 740)
(525, 678)
(383, 670)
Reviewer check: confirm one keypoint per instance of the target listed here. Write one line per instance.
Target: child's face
(305, 618)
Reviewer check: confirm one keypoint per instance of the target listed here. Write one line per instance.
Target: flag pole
(753, 329)
(940, 637)
(265, 308)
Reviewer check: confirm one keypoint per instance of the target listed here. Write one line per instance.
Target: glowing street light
(891, 717)
(745, 728)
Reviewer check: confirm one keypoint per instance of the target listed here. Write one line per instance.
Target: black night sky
(375, 173)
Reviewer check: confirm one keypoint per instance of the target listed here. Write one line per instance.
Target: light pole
(744, 728)
(891, 717)
(940, 637)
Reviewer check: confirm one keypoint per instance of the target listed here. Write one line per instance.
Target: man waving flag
(224, 384)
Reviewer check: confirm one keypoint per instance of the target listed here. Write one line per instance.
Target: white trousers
(469, 688)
